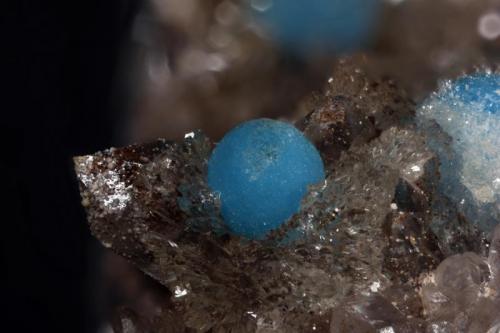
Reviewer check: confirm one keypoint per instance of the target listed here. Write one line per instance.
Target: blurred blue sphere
(319, 26)
(262, 169)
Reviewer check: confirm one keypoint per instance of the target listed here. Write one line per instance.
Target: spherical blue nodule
(262, 169)
(305, 26)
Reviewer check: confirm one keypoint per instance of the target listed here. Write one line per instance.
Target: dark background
(59, 63)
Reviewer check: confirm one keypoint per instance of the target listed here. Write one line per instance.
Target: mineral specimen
(466, 109)
(377, 247)
(261, 169)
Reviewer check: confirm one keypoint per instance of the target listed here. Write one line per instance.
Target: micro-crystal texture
(261, 169)
(376, 247)
(468, 111)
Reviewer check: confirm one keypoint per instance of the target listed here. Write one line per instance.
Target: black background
(59, 68)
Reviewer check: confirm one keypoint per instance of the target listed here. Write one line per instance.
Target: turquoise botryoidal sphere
(468, 109)
(318, 26)
(262, 169)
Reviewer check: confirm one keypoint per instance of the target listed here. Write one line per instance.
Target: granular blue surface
(262, 169)
(481, 88)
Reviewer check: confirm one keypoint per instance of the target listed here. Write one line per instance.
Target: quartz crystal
(463, 293)
(379, 246)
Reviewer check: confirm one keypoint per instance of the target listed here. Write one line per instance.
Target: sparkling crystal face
(468, 110)
(481, 91)
(261, 169)
(320, 25)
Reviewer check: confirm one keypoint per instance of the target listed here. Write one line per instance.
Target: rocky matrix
(376, 247)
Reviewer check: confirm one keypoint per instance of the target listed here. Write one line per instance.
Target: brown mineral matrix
(354, 257)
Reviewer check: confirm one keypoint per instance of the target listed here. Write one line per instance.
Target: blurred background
(83, 76)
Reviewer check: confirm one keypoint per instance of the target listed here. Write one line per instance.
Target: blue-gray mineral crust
(468, 110)
(377, 246)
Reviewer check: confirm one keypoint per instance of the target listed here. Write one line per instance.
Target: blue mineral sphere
(312, 26)
(262, 169)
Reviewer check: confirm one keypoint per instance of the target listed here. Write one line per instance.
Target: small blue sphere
(312, 26)
(262, 169)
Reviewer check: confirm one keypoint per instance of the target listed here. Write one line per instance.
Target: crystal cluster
(463, 293)
(467, 110)
(376, 247)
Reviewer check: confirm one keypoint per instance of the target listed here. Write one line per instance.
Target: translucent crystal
(463, 293)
